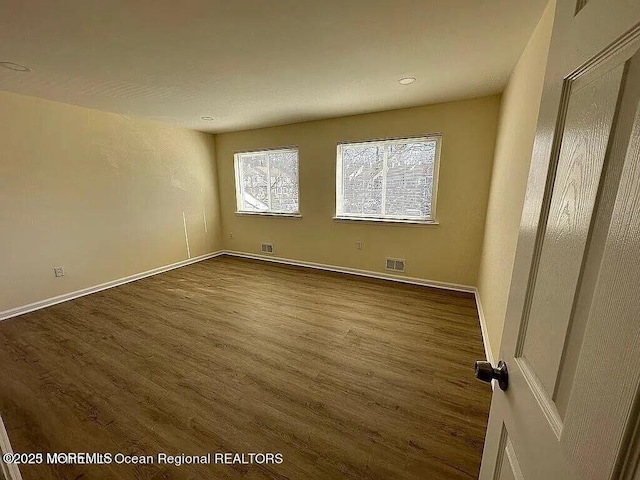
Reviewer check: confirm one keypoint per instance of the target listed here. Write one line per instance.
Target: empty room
(280, 239)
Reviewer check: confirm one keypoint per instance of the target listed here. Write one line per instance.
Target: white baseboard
(9, 471)
(355, 271)
(14, 312)
(483, 328)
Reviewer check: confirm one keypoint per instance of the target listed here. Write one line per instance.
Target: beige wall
(449, 252)
(100, 194)
(516, 132)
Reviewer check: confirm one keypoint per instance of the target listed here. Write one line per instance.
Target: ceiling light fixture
(207, 119)
(406, 80)
(16, 67)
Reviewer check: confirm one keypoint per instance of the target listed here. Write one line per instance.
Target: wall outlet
(267, 248)
(58, 271)
(230, 234)
(359, 245)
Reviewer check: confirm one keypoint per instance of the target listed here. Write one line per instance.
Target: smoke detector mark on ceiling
(16, 67)
(406, 80)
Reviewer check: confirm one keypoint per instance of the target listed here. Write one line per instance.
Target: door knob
(486, 372)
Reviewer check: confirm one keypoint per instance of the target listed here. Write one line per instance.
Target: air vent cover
(395, 264)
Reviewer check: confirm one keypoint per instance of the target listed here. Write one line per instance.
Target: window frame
(239, 187)
(375, 218)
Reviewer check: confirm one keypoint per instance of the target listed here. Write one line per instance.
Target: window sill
(385, 220)
(269, 214)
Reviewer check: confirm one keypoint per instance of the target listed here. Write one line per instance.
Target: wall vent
(267, 248)
(395, 264)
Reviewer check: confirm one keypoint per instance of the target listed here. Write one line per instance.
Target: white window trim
(270, 214)
(390, 221)
(240, 187)
(431, 220)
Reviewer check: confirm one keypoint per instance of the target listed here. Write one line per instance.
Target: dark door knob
(486, 372)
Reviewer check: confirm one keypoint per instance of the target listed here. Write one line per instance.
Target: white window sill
(269, 214)
(385, 220)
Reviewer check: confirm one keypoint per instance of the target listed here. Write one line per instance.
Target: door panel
(572, 332)
(626, 124)
(591, 107)
(508, 467)
(608, 371)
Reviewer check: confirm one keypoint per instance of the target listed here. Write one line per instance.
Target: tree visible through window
(390, 179)
(267, 181)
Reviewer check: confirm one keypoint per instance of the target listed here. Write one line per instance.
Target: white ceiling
(254, 63)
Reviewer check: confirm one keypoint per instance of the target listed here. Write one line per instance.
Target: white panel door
(572, 332)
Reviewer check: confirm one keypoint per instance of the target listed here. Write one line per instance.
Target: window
(391, 180)
(267, 181)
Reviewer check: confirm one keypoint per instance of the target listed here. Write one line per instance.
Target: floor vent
(395, 264)
(267, 248)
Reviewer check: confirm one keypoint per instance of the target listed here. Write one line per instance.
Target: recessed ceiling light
(15, 66)
(406, 80)
(207, 119)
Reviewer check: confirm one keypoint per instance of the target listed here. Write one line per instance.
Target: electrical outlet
(230, 234)
(359, 245)
(58, 271)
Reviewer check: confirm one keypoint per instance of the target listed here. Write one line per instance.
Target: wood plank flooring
(346, 377)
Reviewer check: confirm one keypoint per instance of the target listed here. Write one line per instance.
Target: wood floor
(346, 377)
